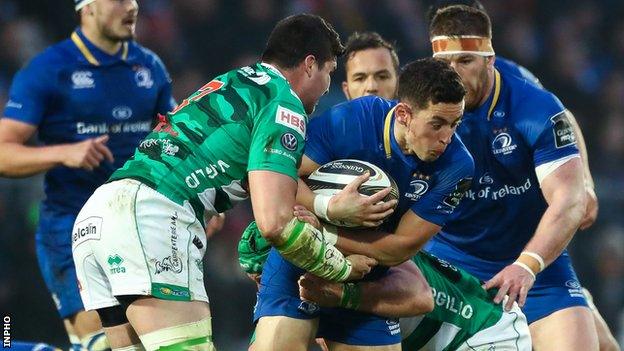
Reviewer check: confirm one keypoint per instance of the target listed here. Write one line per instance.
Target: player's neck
(103, 43)
(489, 87)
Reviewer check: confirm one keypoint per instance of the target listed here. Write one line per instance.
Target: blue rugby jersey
(506, 66)
(362, 129)
(519, 127)
(74, 91)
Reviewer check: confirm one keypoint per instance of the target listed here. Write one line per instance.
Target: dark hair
(440, 4)
(429, 80)
(460, 20)
(298, 36)
(359, 41)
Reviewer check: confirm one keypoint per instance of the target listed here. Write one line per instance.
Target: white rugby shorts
(128, 239)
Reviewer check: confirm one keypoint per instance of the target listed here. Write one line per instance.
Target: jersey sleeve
(277, 139)
(29, 93)
(548, 130)
(453, 180)
(166, 102)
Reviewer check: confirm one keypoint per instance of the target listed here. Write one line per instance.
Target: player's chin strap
(305, 246)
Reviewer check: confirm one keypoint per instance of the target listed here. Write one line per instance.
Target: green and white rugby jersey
(244, 120)
(461, 307)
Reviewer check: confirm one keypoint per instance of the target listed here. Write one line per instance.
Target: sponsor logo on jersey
(122, 112)
(563, 131)
(453, 199)
(82, 80)
(496, 194)
(105, 128)
(114, 264)
(574, 288)
(13, 104)
(486, 178)
(291, 119)
(289, 141)
(200, 175)
(260, 78)
(87, 229)
(503, 144)
(308, 307)
(143, 78)
(393, 326)
(498, 114)
(418, 187)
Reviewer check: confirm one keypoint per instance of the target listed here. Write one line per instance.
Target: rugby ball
(333, 176)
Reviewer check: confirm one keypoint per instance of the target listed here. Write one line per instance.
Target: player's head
(462, 36)
(305, 46)
(440, 4)
(431, 103)
(112, 20)
(371, 65)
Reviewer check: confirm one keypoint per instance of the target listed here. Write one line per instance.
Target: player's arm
(564, 191)
(403, 292)
(591, 208)
(19, 160)
(275, 151)
(389, 249)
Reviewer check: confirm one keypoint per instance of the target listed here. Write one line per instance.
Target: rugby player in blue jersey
(605, 337)
(413, 140)
(91, 98)
(528, 195)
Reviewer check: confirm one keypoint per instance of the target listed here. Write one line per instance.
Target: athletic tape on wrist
(330, 232)
(304, 246)
(527, 268)
(351, 296)
(321, 204)
(537, 257)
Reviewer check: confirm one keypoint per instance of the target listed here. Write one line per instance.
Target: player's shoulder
(56, 55)
(365, 108)
(144, 54)
(507, 66)
(528, 101)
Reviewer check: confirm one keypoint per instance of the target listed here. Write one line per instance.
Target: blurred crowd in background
(575, 48)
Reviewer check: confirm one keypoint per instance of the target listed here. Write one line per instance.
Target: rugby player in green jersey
(139, 240)
(451, 312)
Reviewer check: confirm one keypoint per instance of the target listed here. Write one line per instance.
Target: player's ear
(308, 64)
(345, 90)
(490, 60)
(403, 113)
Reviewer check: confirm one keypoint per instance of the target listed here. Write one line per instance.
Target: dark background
(575, 48)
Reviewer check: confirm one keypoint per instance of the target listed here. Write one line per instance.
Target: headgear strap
(462, 44)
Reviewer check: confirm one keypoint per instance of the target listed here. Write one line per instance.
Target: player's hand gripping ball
(332, 177)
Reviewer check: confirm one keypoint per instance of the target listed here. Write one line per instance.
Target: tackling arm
(273, 200)
(403, 292)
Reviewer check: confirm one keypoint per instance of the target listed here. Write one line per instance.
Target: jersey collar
(496, 96)
(95, 55)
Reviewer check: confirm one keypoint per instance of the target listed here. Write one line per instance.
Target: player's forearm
(388, 249)
(17, 160)
(305, 196)
(401, 293)
(557, 226)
